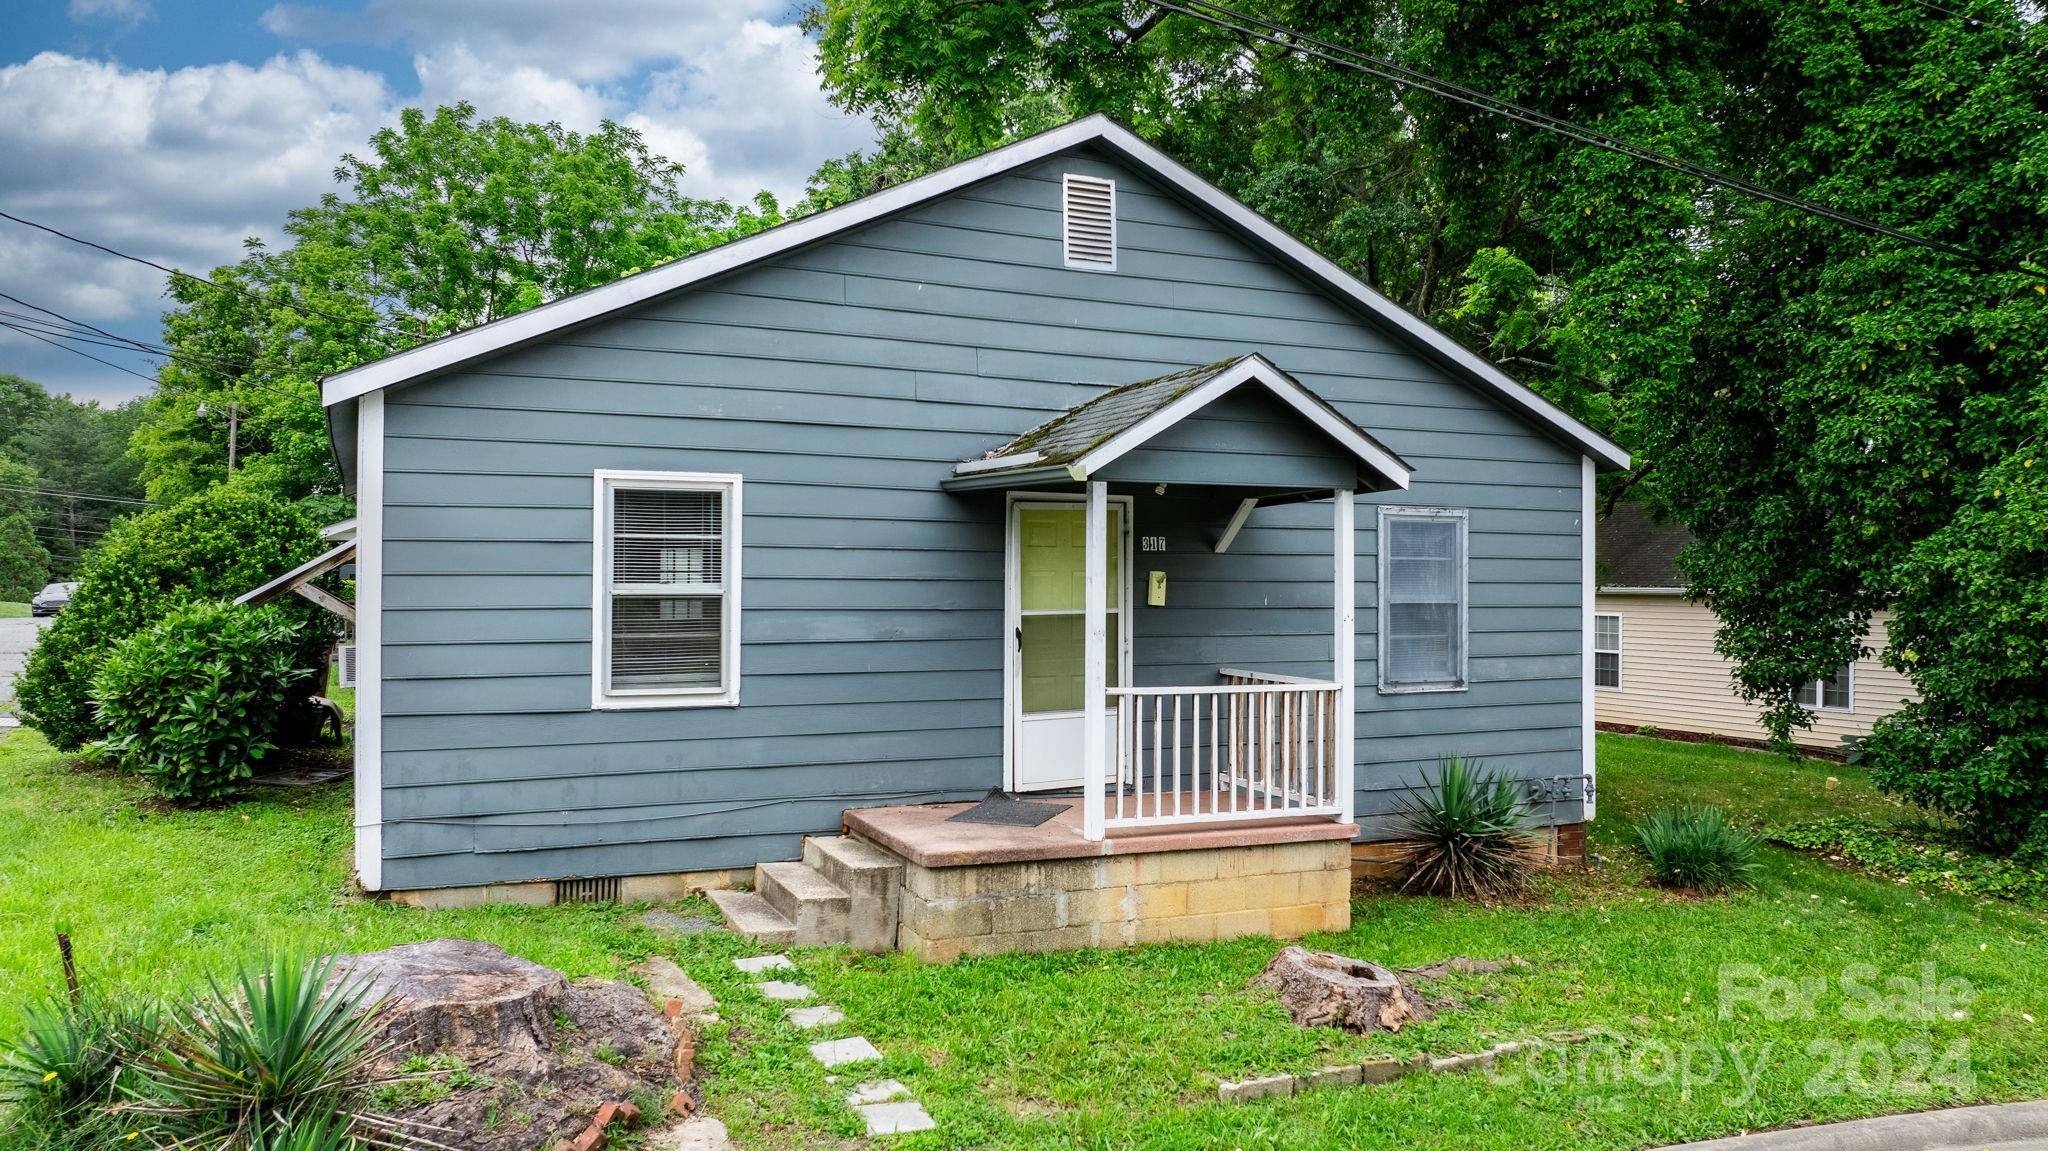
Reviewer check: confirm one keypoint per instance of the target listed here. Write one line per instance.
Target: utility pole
(234, 426)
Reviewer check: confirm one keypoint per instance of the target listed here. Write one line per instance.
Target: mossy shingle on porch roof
(1072, 434)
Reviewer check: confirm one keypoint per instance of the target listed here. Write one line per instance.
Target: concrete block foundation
(1197, 895)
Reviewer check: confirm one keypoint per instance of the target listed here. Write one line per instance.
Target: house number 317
(1152, 543)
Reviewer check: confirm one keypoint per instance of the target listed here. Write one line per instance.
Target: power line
(1403, 76)
(229, 372)
(306, 309)
(94, 496)
(80, 352)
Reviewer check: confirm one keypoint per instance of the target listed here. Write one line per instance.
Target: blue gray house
(1057, 471)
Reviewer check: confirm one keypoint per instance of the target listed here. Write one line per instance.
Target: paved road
(2008, 1127)
(17, 636)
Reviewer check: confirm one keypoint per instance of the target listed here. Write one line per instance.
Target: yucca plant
(315, 1133)
(1697, 847)
(69, 1054)
(274, 1052)
(1466, 833)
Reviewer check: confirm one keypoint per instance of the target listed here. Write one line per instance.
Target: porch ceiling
(1089, 440)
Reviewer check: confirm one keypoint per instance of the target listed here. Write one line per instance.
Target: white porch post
(1095, 661)
(1343, 647)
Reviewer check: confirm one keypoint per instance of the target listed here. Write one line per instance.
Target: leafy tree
(24, 561)
(1844, 421)
(214, 546)
(447, 221)
(57, 444)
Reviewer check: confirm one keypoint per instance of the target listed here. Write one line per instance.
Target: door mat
(1006, 810)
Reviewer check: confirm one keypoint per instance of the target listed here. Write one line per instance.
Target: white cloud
(581, 41)
(176, 166)
(119, 11)
(721, 88)
(180, 165)
(521, 91)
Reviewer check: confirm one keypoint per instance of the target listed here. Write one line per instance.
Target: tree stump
(1325, 990)
(461, 996)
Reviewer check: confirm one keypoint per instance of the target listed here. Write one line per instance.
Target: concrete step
(750, 915)
(816, 906)
(872, 879)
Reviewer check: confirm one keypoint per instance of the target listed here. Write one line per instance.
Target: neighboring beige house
(1654, 663)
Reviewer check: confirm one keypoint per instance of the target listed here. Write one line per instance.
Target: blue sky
(174, 129)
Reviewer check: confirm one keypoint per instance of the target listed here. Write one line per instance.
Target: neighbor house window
(1422, 599)
(667, 590)
(1835, 692)
(1607, 651)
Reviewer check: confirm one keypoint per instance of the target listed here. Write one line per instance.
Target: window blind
(1423, 576)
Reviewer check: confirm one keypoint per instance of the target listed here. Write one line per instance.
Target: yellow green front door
(1048, 566)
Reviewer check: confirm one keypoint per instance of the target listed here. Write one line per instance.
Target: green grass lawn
(9, 610)
(1124, 1049)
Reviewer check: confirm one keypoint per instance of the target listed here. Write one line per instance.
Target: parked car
(52, 599)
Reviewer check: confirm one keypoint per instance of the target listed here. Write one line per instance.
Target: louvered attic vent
(1090, 217)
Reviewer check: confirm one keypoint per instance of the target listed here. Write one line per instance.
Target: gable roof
(1635, 551)
(1089, 437)
(1097, 131)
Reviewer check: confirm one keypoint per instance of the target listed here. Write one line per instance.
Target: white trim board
(1589, 596)
(368, 733)
(1251, 369)
(1096, 131)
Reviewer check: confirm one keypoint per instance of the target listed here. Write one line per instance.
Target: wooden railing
(1257, 746)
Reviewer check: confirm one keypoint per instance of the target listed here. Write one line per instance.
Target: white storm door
(1047, 566)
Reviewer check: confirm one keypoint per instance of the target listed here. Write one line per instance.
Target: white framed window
(1835, 692)
(1607, 651)
(666, 590)
(1423, 573)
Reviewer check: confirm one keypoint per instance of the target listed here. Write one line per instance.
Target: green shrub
(1466, 834)
(273, 1061)
(1926, 856)
(213, 546)
(195, 701)
(1696, 847)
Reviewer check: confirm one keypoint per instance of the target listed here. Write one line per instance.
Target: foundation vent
(587, 890)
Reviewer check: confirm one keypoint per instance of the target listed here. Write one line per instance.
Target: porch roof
(1085, 439)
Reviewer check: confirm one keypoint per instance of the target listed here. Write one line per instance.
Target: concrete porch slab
(922, 835)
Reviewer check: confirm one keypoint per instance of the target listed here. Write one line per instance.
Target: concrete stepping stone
(756, 964)
(808, 1018)
(667, 981)
(698, 1133)
(877, 1091)
(669, 923)
(839, 1052)
(778, 989)
(896, 1118)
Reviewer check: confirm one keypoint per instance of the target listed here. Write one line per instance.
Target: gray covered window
(1422, 581)
(667, 590)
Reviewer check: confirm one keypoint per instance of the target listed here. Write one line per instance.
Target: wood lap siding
(1674, 680)
(843, 382)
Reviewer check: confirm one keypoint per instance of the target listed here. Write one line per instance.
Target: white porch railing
(1256, 746)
